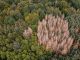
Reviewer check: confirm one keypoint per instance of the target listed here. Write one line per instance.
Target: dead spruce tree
(53, 33)
(27, 32)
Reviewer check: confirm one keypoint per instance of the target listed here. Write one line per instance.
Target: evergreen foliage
(17, 15)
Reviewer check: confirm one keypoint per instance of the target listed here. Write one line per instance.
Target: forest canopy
(19, 16)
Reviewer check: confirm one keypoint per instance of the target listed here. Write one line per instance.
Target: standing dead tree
(53, 33)
(27, 32)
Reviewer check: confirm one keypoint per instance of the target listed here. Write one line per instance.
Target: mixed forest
(25, 29)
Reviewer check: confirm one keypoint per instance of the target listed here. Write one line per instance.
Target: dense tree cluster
(18, 15)
(53, 33)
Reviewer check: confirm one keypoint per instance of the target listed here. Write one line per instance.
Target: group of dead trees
(53, 34)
